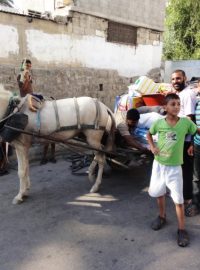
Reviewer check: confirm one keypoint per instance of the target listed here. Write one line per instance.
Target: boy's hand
(155, 150)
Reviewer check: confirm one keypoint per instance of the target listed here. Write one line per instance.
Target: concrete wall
(70, 82)
(191, 68)
(146, 13)
(80, 43)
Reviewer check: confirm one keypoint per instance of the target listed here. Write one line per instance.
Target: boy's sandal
(182, 238)
(191, 210)
(158, 223)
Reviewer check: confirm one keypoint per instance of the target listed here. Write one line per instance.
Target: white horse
(62, 119)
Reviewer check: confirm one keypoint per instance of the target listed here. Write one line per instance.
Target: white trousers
(166, 176)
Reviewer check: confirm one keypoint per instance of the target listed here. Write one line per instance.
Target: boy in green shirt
(167, 171)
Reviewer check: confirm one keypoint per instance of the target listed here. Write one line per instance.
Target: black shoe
(43, 161)
(3, 172)
(52, 160)
(158, 223)
(182, 238)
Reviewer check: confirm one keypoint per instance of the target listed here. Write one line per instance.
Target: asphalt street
(62, 227)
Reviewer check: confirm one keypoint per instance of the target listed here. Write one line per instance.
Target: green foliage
(8, 3)
(182, 37)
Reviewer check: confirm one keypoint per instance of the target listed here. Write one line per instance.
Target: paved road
(61, 227)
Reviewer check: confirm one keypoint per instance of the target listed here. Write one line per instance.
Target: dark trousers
(196, 178)
(187, 168)
(3, 160)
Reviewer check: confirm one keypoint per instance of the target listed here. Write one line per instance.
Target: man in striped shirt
(196, 179)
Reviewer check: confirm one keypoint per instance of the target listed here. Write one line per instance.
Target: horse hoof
(17, 201)
(94, 190)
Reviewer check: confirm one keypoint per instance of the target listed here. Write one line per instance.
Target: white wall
(37, 5)
(88, 51)
(9, 40)
(92, 52)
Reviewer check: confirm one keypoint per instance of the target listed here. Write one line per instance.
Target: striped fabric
(197, 117)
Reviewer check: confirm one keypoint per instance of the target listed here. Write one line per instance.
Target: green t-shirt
(171, 140)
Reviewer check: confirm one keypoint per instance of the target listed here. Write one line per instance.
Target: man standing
(187, 109)
(196, 179)
(24, 78)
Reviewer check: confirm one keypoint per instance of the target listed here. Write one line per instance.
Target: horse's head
(4, 100)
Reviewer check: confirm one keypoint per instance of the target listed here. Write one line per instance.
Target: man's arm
(131, 141)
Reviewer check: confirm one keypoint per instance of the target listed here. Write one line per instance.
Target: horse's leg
(100, 159)
(23, 173)
(94, 139)
(91, 170)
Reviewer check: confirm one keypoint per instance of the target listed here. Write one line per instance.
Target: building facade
(88, 47)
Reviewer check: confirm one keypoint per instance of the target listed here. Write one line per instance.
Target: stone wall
(70, 82)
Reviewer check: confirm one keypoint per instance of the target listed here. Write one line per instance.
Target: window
(34, 13)
(122, 33)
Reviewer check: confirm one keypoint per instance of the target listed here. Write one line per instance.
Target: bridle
(10, 111)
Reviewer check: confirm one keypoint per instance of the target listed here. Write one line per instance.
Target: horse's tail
(111, 132)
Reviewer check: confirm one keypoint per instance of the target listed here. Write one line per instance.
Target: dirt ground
(62, 227)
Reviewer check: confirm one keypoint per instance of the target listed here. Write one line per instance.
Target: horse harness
(14, 117)
(79, 126)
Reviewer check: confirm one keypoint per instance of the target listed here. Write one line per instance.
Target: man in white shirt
(142, 117)
(188, 103)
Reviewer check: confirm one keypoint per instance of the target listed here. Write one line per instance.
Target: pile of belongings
(143, 92)
(138, 92)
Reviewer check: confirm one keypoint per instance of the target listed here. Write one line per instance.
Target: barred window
(122, 33)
